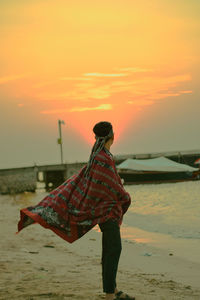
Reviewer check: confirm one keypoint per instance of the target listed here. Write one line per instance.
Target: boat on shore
(155, 170)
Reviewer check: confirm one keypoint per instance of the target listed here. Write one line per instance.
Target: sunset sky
(133, 63)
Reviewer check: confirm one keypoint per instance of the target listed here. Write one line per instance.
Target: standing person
(93, 196)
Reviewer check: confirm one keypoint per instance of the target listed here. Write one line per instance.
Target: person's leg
(111, 249)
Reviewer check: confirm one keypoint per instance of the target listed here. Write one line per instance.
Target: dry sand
(37, 264)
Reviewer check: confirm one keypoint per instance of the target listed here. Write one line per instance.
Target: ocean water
(168, 208)
(165, 216)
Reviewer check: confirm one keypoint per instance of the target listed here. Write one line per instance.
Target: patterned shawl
(81, 202)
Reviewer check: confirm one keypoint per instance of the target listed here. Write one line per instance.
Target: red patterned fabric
(80, 203)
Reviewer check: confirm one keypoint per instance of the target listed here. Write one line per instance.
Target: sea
(166, 216)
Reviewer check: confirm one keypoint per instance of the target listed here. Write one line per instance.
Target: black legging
(111, 249)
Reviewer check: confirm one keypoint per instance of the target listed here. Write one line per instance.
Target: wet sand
(37, 264)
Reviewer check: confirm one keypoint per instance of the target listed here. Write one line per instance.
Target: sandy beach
(37, 264)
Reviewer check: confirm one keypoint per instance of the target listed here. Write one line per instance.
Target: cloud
(81, 92)
(78, 109)
(54, 82)
(141, 102)
(158, 96)
(186, 92)
(134, 70)
(101, 92)
(9, 78)
(151, 87)
(75, 78)
(146, 89)
(175, 79)
(100, 107)
(105, 75)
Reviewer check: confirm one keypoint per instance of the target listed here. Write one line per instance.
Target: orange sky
(127, 62)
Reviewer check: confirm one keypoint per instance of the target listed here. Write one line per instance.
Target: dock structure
(48, 177)
(31, 179)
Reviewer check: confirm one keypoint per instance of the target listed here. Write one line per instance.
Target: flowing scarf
(81, 202)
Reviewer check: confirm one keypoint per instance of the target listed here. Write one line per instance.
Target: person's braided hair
(103, 132)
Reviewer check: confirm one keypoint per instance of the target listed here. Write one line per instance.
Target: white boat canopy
(159, 164)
